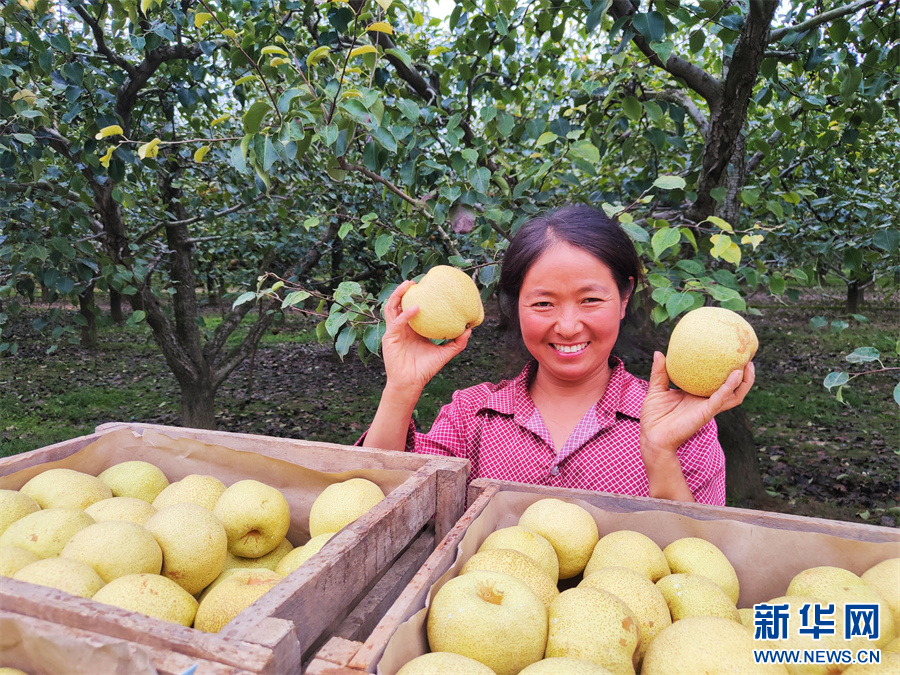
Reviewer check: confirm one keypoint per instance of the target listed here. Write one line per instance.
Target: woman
(574, 417)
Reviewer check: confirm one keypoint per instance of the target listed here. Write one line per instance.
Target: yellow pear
(15, 505)
(47, 531)
(193, 543)
(442, 663)
(564, 665)
(270, 560)
(232, 596)
(627, 548)
(121, 508)
(301, 554)
(529, 543)
(885, 579)
(706, 345)
(256, 517)
(341, 503)
(192, 489)
(570, 528)
(66, 488)
(115, 548)
(71, 576)
(693, 555)
(8, 670)
(515, 564)
(640, 595)
(135, 478)
(696, 595)
(590, 624)
(448, 302)
(490, 617)
(705, 644)
(747, 615)
(13, 558)
(152, 595)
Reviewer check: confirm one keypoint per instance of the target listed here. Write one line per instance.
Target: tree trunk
(87, 309)
(198, 404)
(743, 483)
(45, 294)
(855, 294)
(115, 307)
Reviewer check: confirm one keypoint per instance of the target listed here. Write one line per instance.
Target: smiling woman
(573, 417)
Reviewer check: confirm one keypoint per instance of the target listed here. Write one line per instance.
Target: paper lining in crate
(300, 611)
(766, 550)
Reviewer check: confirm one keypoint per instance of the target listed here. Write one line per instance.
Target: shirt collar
(511, 397)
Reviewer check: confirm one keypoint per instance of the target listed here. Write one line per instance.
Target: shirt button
(554, 470)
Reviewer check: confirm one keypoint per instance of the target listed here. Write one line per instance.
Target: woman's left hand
(669, 417)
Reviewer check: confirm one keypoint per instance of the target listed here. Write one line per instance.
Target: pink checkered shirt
(498, 428)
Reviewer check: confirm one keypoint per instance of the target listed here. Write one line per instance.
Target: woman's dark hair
(577, 225)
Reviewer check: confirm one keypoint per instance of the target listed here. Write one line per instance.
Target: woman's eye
(589, 300)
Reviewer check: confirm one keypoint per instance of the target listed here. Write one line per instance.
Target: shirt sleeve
(446, 436)
(703, 464)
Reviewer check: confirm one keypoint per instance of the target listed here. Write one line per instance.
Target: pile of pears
(194, 552)
(636, 608)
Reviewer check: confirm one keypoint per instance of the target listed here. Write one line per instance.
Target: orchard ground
(818, 456)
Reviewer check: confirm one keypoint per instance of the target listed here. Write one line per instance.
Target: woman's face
(569, 313)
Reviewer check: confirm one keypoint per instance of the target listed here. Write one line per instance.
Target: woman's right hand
(411, 360)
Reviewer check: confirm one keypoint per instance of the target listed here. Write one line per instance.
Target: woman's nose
(569, 321)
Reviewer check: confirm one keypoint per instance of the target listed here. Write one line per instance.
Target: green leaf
(670, 183)
(897, 394)
(663, 49)
(335, 320)
(887, 240)
(545, 138)
(345, 341)
(863, 355)
(678, 304)
(372, 336)
(383, 244)
(836, 379)
(409, 109)
(839, 325)
(697, 40)
(254, 116)
(294, 298)
(664, 239)
(632, 108)
(480, 178)
(750, 196)
(586, 151)
(636, 232)
(244, 297)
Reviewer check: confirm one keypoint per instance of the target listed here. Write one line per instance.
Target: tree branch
(779, 33)
(693, 76)
(678, 97)
(100, 38)
(418, 204)
(189, 221)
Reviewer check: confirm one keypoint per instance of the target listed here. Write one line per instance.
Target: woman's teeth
(570, 349)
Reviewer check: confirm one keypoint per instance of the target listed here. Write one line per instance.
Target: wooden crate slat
(409, 602)
(50, 604)
(166, 662)
(310, 597)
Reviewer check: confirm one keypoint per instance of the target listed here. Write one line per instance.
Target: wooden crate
(856, 546)
(341, 591)
(41, 647)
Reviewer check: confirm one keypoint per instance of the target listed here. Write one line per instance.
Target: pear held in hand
(448, 301)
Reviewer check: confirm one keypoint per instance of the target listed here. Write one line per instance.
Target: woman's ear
(627, 298)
